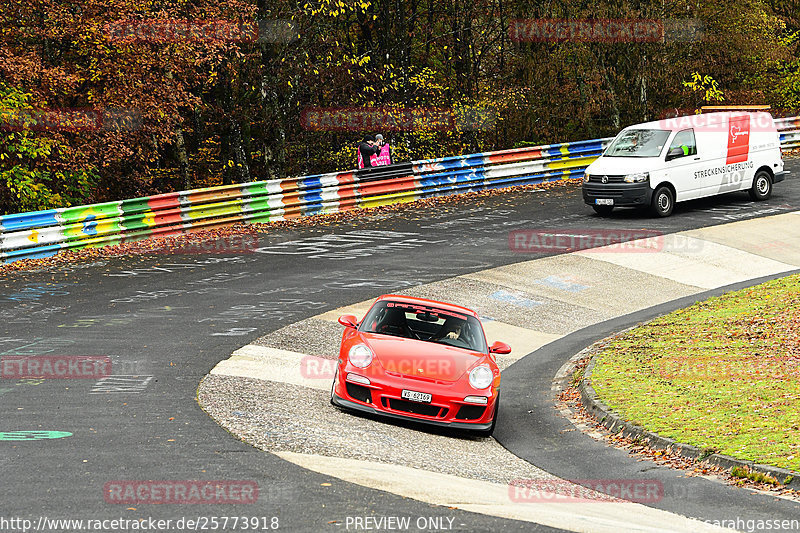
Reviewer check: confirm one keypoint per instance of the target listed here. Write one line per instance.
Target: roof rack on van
(715, 108)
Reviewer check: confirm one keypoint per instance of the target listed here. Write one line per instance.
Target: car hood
(411, 357)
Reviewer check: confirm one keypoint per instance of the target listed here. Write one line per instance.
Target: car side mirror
(500, 348)
(349, 321)
(674, 153)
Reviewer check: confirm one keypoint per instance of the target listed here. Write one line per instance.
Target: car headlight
(586, 177)
(360, 355)
(481, 377)
(639, 177)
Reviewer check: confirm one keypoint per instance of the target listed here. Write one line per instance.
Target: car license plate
(415, 396)
(604, 201)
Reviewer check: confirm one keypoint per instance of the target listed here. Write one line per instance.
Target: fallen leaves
(196, 238)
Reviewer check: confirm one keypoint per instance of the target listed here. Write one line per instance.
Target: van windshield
(638, 143)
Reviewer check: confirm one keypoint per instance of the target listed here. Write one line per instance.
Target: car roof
(692, 121)
(423, 301)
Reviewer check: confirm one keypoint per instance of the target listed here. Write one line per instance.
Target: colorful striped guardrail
(45, 233)
(789, 129)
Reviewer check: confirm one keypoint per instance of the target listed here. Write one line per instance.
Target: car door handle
(697, 159)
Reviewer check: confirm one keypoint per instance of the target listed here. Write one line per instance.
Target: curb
(615, 423)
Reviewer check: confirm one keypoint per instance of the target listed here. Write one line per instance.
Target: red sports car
(419, 359)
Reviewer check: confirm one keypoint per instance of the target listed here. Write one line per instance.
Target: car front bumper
(356, 406)
(383, 396)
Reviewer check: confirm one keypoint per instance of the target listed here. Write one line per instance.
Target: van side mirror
(674, 153)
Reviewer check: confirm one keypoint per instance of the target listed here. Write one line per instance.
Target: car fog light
(355, 378)
(483, 400)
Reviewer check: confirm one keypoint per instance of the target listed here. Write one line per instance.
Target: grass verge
(720, 375)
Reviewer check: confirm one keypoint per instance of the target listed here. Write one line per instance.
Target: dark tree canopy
(106, 100)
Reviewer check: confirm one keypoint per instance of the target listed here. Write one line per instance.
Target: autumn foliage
(107, 100)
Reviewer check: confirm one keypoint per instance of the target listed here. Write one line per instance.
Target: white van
(655, 164)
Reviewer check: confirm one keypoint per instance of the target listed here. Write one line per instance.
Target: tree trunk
(241, 168)
(643, 92)
(615, 118)
(224, 156)
(275, 105)
(183, 160)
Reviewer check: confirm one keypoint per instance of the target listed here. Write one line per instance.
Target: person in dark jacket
(366, 150)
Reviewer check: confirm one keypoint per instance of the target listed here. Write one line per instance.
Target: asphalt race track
(545, 434)
(165, 321)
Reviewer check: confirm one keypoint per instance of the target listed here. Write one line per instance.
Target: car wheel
(663, 202)
(762, 186)
(603, 210)
(488, 432)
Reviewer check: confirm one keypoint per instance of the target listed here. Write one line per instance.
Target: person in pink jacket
(385, 155)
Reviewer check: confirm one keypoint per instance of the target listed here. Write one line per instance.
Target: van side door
(681, 161)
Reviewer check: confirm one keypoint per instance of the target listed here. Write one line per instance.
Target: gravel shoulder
(278, 417)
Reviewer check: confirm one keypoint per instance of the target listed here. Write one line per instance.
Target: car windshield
(637, 143)
(426, 323)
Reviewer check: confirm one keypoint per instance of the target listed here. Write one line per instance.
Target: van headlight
(586, 177)
(639, 177)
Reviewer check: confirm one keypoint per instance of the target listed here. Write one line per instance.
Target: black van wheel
(603, 210)
(762, 186)
(663, 202)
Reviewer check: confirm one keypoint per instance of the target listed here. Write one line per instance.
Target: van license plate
(604, 201)
(415, 396)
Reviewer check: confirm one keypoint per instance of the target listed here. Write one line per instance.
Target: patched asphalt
(165, 321)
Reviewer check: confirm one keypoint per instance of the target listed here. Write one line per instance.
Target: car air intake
(470, 412)
(357, 392)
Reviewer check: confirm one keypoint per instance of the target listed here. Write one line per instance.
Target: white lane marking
(494, 499)
(282, 366)
(701, 263)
